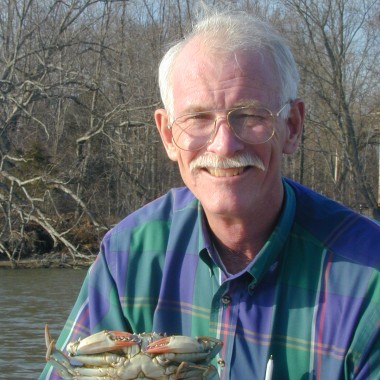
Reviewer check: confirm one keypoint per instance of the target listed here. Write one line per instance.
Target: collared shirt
(310, 298)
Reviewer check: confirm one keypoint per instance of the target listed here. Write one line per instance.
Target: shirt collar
(206, 248)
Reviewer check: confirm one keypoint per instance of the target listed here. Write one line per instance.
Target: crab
(119, 355)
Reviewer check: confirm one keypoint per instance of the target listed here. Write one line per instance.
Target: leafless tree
(338, 48)
(77, 96)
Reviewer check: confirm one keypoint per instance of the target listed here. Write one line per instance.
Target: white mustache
(216, 162)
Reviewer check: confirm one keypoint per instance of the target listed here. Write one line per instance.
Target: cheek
(279, 139)
(184, 158)
(269, 153)
(262, 151)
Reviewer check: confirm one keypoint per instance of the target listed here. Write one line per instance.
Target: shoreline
(47, 261)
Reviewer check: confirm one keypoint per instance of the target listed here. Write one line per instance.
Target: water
(30, 298)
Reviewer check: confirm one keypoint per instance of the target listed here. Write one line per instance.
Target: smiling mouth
(228, 172)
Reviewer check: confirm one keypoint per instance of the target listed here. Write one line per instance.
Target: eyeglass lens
(194, 131)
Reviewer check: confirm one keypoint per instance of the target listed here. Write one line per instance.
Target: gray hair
(234, 31)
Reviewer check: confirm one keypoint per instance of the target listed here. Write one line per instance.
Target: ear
(162, 122)
(294, 126)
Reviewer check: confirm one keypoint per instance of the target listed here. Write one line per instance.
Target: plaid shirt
(310, 298)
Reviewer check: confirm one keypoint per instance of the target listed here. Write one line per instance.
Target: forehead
(209, 78)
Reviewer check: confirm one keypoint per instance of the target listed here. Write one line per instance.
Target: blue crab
(119, 355)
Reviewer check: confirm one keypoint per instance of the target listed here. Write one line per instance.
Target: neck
(234, 261)
(239, 240)
(238, 249)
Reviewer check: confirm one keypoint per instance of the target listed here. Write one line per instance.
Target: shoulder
(156, 216)
(339, 229)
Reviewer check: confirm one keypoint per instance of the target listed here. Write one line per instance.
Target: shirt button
(226, 299)
(251, 288)
(221, 362)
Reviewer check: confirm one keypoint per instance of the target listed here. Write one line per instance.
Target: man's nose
(224, 141)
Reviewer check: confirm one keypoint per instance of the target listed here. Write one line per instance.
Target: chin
(224, 206)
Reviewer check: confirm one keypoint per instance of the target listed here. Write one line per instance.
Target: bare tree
(68, 114)
(337, 46)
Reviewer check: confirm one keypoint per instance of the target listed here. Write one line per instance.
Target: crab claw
(48, 337)
(183, 344)
(178, 349)
(103, 341)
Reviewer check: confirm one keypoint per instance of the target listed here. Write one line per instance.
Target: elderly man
(241, 254)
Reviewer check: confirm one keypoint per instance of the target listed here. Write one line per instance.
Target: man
(242, 254)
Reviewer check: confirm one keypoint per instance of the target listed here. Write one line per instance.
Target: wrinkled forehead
(211, 66)
(202, 56)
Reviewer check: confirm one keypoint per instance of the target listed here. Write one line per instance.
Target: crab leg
(103, 341)
(59, 360)
(196, 371)
(50, 345)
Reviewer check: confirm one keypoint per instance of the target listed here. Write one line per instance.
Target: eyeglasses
(253, 125)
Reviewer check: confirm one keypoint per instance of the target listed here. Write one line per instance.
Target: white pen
(269, 370)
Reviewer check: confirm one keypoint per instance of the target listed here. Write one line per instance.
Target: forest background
(78, 87)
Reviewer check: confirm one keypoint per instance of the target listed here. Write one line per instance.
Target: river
(29, 299)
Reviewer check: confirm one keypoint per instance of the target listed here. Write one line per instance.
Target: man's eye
(248, 117)
(201, 117)
(251, 114)
(197, 117)
(255, 117)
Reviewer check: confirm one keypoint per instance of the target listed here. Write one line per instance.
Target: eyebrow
(248, 103)
(241, 103)
(195, 109)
